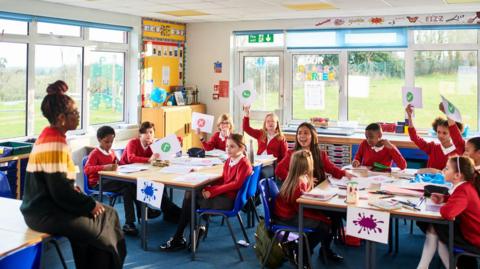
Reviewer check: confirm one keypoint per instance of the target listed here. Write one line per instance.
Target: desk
(339, 205)
(17, 158)
(14, 232)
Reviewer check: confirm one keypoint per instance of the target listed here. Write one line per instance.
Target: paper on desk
(264, 157)
(185, 160)
(363, 182)
(321, 194)
(130, 168)
(178, 169)
(215, 153)
(195, 177)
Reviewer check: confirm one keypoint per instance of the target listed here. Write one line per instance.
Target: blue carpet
(217, 250)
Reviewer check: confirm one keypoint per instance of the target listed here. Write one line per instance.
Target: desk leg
(19, 176)
(369, 254)
(451, 257)
(396, 235)
(300, 239)
(192, 225)
(143, 234)
(100, 192)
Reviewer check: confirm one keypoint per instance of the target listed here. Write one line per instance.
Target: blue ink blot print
(367, 224)
(149, 191)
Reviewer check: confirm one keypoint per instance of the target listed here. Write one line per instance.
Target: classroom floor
(217, 250)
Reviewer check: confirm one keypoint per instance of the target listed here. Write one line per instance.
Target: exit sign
(260, 38)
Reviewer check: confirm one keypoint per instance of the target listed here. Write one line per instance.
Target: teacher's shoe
(174, 244)
(130, 229)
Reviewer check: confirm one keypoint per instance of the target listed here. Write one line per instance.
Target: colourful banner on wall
(162, 30)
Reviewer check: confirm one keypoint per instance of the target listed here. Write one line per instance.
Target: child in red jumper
(138, 151)
(219, 138)
(463, 206)
(270, 139)
(299, 180)
(374, 149)
(103, 159)
(219, 196)
(438, 153)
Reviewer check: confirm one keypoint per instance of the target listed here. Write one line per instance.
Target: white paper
(368, 224)
(321, 194)
(264, 157)
(130, 168)
(451, 111)
(185, 160)
(215, 153)
(413, 96)
(178, 169)
(149, 192)
(358, 86)
(166, 75)
(203, 122)
(246, 92)
(167, 147)
(314, 95)
(195, 177)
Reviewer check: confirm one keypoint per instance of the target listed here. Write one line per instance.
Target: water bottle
(251, 155)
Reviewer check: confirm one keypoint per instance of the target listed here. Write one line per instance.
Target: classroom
(240, 134)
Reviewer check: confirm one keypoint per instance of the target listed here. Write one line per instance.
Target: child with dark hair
(52, 204)
(374, 149)
(472, 150)
(438, 153)
(103, 158)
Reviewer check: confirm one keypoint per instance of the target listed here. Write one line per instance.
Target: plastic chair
(268, 193)
(461, 252)
(240, 201)
(5, 190)
(251, 195)
(112, 196)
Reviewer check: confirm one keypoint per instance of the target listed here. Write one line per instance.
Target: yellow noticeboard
(163, 30)
(164, 71)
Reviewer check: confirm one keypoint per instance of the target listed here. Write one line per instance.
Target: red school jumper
(282, 167)
(135, 153)
(96, 161)
(436, 158)
(464, 204)
(367, 156)
(215, 142)
(232, 179)
(276, 147)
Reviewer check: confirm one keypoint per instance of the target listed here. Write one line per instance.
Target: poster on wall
(154, 29)
(166, 75)
(314, 95)
(223, 87)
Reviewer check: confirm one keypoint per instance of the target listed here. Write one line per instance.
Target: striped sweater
(50, 178)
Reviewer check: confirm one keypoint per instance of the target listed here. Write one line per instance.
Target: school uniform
(52, 205)
(367, 155)
(457, 139)
(135, 152)
(266, 145)
(97, 160)
(282, 167)
(222, 193)
(217, 141)
(437, 154)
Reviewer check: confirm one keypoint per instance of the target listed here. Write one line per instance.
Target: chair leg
(309, 253)
(243, 227)
(411, 226)
(223, 221)
(60, 255)
(234, 239)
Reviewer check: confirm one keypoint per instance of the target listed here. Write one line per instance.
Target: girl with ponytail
(463, 206)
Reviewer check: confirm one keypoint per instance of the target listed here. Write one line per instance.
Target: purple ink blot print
(367, 224)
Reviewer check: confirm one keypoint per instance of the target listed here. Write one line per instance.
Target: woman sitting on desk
(51, 204)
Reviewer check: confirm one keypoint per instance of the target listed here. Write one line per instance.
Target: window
(13, 27)
(105, 84)
(311, 39)
(53, 63)
(13, 84)
(375, 78)
(458, 36)
(58, 29)
(452, 74)
(105, 35)
(315, 86)
(265, 73)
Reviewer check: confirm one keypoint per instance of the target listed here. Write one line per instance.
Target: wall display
(162, 30)
(217, 67)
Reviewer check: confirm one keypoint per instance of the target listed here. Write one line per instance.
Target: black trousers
(129, 193)
(96, 242)
(221, 202)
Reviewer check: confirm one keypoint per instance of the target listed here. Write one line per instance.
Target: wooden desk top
(14, 157)
(337, 202)
(14, 232)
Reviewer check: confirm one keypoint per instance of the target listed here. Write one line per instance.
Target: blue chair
(240, 201)
(268, 193)
(112, 196)
(251, 194)
(5, 190)
(462, 252)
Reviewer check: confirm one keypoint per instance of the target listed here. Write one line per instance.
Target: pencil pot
(352, 192)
